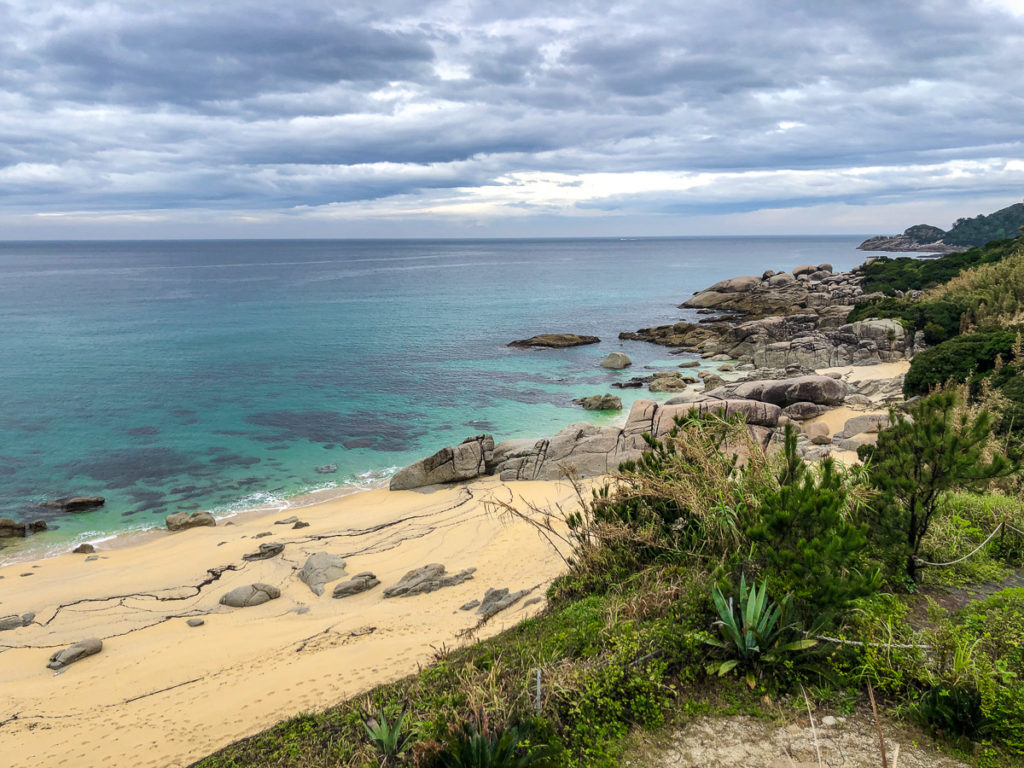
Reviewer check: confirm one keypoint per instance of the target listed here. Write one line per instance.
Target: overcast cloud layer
(464, 118)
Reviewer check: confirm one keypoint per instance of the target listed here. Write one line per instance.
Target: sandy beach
(162, 693)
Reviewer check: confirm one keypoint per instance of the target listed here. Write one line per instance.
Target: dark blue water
(219, 374)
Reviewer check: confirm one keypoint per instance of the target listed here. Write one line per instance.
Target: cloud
(485, 111)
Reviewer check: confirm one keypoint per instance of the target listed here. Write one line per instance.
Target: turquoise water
(219, 374)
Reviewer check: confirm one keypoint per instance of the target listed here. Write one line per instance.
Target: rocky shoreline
(785, 334)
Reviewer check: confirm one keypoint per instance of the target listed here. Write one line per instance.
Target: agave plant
(479, 746)
(752, 629)
(390, 739)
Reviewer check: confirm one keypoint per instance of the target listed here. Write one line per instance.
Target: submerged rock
(250, 595)
(9, 529)
(327, 469)
(555, 340)
(427, 578)
(321, 568)
(75, 652)
(75, 503)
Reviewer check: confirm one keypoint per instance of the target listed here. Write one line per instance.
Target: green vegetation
(961, 359)
(982, 229)
(936, 447)
(887, 275)
(697, 565)
(939, 319)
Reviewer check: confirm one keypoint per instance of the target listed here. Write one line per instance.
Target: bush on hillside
(940, 320)
(958, 360)
(889, 275)
(934, 449)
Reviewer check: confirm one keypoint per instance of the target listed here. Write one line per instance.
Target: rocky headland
(782, 337)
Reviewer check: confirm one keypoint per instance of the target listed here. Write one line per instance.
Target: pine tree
(917, 459)
(805, 538)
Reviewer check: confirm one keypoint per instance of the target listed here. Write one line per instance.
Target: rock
(821, 390)
(449, 465)
(690, 364)
(195, 622)
(496, 600)
(818, 432)
(327, 469)
(358, 583)
(533, 601)
(11, 530)
(669, 382)
(869, 422)
(36, 526)
(720, 358)
(15, 622)
(262, 534)
(287, 521)
(249, 595)
(83, 549)
(803, 410)
(853, 443)
(299, 525)
(469, 606)
(616, 361)
(265, 552)
(600, 403)
(857, 401)
(321, 568)
(712, 381)
(180, 521)
(634, 383)
(587, 449)
(555, 340)
(427, 578)
(689, 396)
(76, 503)
(804, 269)
(828, 721)
(92, 558)
(75, 652)
(825, 268)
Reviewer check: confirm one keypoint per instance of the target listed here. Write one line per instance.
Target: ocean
(218, 375)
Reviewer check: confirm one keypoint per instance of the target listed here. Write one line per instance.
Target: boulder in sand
(427, 578)
(358, 583)
(181, 521)
(321, 568)
(75, 652)
(76, 503)
(555, 340)
(616, 361)
(15, 622)
(496, 600)
(600, 403)
(265, 552)
(83, 549)
(822, 390)
(249, 595)
(449, 465)
(866, 423)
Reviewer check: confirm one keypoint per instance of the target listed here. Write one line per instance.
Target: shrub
(960, 359)
(805, 540)
(940, 320)
(918, 459)
(906, 274)
(478, 745)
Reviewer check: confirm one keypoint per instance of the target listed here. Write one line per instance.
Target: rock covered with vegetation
(965, 233)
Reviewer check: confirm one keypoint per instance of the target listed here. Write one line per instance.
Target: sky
(506, 118)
